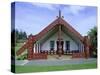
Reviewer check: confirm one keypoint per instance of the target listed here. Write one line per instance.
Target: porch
(54, 55)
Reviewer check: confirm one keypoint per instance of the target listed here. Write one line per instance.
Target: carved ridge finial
(59, 13)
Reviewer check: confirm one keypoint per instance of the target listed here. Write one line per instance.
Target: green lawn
(26, 69)
(17, 47)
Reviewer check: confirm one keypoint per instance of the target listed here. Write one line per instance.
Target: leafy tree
(93, 39)
(18, 35)
(24, 35)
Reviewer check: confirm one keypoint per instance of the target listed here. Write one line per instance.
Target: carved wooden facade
(36, 54)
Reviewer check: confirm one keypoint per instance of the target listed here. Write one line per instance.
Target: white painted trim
(34, 48)
(38, 48)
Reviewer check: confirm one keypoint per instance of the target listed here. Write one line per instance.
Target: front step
(57, 57)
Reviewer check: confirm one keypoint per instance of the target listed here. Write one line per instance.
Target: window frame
(52, 45)
(67, 45)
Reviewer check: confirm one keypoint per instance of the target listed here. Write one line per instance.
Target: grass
(17, 47)
(26, 69)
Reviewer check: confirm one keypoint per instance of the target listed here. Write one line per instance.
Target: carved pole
(59, 36)
(30, 48)
(86, 47)
(30, 52)
(59, 42)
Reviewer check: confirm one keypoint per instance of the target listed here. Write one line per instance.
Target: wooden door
(60, 47)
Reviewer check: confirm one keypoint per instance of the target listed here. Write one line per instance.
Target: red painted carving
(86, 46)
(32, 39)
(78, 55)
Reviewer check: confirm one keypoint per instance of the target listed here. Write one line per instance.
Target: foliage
(23, 57)
(18, 35)
(93, 39)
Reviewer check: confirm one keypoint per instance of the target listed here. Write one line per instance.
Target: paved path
(54, 62)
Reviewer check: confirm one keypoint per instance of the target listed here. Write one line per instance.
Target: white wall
(46, 45)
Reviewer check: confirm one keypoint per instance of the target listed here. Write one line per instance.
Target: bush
(23, 57)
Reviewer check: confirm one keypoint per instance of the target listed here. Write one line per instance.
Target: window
(67, 45)
(51, 45)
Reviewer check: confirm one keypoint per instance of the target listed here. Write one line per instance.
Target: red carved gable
(59, 20)
(56, 22)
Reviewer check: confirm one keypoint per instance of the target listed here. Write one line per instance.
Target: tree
(24, 35)
(18, 35)
(93, 39)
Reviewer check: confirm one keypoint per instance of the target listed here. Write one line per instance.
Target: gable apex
(56, 22)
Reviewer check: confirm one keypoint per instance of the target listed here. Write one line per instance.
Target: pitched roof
(56, 22)
(59, 20)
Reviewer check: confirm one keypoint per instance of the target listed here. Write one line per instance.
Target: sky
(34, 17)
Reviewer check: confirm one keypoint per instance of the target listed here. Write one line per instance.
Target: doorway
(60, 47)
